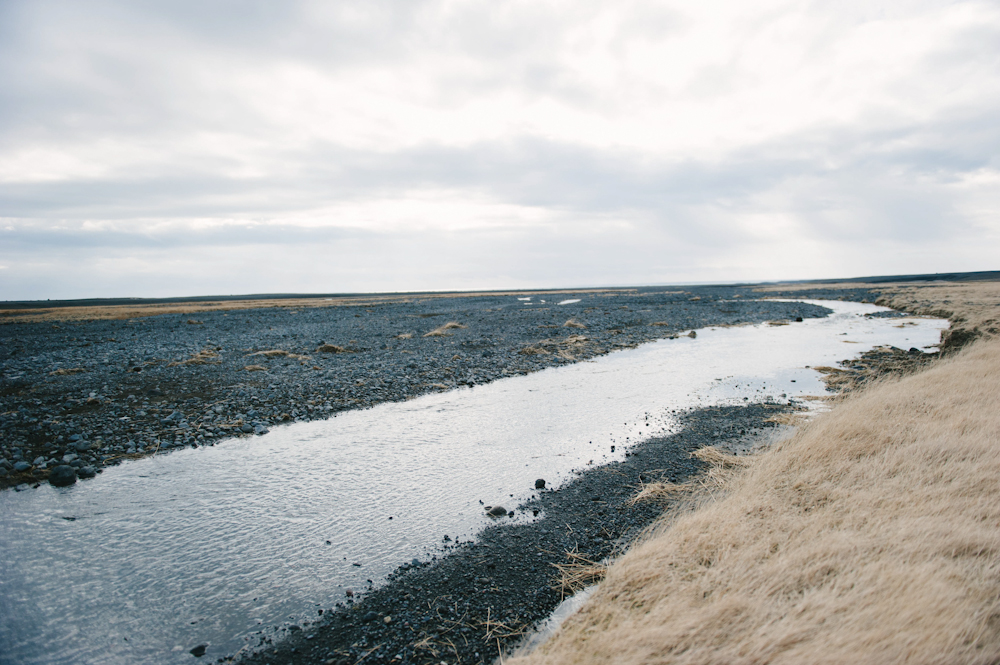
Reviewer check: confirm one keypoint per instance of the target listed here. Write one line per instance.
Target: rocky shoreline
(482, 597)
(82, 395)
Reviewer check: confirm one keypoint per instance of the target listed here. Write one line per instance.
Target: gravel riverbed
(87, 394)
(483, 597)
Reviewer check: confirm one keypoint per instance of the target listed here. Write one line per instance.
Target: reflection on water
(206, 546)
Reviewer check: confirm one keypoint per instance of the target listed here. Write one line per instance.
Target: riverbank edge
(477, 599)
(973, 326)
(358, 630)
(101, 417)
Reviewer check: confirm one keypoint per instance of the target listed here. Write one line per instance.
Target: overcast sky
(188, 147)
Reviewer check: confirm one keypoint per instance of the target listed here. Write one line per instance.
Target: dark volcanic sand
(477, 600)
(109, 390)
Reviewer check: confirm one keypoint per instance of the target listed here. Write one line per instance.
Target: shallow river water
(206, 546)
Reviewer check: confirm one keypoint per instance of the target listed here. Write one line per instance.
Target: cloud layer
(177, 148)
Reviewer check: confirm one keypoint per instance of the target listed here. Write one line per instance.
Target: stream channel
(206, 546)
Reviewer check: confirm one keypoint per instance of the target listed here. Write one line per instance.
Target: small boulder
(86, 472)
(21, 466)
(496, 511)
(540, 484)
(199, 650)
(62, 475)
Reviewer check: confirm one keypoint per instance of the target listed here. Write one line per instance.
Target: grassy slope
(872, 535)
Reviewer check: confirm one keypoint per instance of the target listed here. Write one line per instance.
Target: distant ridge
(981, 276)
(986, 275)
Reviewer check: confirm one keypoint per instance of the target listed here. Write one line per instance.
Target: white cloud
(696, 135)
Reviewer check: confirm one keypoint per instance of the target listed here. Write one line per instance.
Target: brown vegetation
(329, 348)
(578, 573)
(568, 347)
(441, 331)
(203, 357)
(65, 372)
(573, 323)
(871, 535)
(973, 308)
(278, 353)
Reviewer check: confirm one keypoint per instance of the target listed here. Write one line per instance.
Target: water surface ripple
(207, 546)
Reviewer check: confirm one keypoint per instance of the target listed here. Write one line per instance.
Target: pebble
(107, 411)
(62, 475)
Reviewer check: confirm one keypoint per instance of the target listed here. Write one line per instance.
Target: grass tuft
(329, 348)
(578, 573)
(441, 331)
(68, 371)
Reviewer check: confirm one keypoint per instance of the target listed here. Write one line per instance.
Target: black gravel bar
(481, 597)
(93, 393)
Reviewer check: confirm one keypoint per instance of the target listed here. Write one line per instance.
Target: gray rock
(62, 475)
(39, 460)
(82, 445)
(247, 429)
(496, 511)
(540, 484)
(86, 472)
(21, 466)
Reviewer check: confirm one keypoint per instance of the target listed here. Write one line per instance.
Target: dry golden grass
(68, 371)
(255, 368)
(203, 357)
(578, 573)
(973, 308)
(279, 353)
(329, 348)
(568, 347)
(442, 331)
(872, 535)
(573, 323)
(660, 491)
